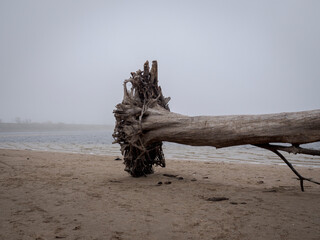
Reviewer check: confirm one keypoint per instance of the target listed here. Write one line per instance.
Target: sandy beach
(48, 195)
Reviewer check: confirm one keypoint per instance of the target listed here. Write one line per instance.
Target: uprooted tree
(144, 121)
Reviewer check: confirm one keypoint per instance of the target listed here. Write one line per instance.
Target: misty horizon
(18, 120)
(65, 61)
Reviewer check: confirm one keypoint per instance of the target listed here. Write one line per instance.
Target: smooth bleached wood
(225, 131)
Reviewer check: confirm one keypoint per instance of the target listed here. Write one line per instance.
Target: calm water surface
(99, 142)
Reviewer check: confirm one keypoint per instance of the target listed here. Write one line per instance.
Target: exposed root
(145, 92)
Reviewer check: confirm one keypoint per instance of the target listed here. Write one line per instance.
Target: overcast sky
(65, 61)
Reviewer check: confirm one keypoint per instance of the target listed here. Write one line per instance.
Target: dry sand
(46, 195)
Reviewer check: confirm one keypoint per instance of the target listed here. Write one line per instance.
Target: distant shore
(26, 127)
(49, 195)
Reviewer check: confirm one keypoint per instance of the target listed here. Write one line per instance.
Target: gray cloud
(65, 61)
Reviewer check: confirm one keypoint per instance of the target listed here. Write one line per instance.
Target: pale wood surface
(224, 131)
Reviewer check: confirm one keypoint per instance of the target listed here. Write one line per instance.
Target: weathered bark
(225, 131)
(143, 121)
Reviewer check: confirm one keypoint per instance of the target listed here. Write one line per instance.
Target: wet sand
(47, 195)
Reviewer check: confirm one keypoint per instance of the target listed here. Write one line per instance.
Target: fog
(65, 61)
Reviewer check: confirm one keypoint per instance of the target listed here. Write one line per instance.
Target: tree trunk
(224, 131)
(143, 121)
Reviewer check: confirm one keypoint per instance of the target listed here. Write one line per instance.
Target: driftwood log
(144, 121)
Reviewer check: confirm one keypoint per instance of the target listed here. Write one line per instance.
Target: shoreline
(280, 163)
(47, 195)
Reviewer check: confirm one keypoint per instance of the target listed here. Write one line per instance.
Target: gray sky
(65, 61)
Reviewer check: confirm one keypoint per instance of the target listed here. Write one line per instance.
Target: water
(99, 142)
(83, 141)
